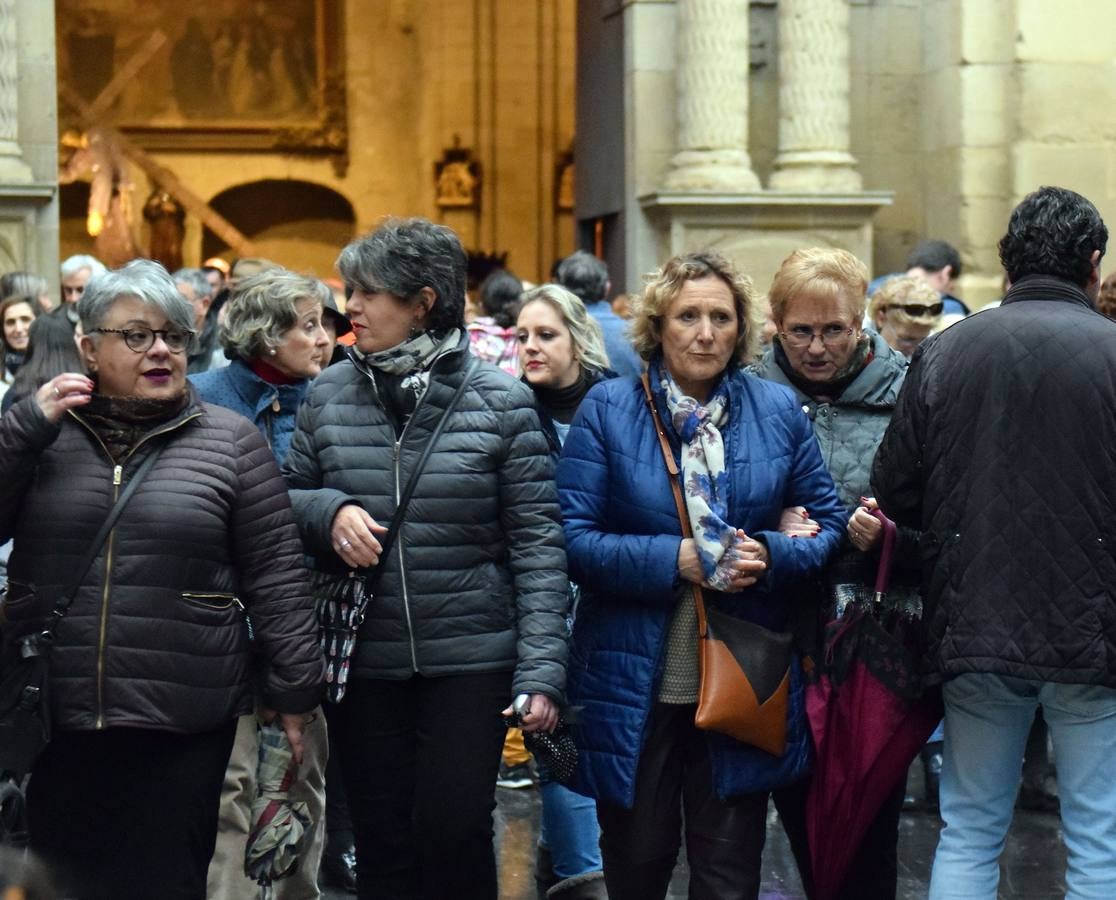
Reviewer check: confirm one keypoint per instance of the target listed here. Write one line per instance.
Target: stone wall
(28, 140)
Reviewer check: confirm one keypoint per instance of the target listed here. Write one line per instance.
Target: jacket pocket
(20, 602)
(217, 601)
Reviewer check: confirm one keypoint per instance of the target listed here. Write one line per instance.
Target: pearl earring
(271, 352)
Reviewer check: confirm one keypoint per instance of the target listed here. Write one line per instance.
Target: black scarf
(826, 391)
(122, 422)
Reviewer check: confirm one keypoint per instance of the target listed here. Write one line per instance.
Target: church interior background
(634, 128)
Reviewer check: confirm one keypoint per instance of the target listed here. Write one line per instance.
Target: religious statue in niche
(166, 218)
(564, 182)
(95, 157)
(457, 178)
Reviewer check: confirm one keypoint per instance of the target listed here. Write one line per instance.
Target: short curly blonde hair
(664, 286)
(814, 271)
(905, 290)
(263, 307)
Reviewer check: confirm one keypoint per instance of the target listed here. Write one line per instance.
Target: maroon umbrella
(869, 716)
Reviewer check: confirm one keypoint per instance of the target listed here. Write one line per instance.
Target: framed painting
(224, 74)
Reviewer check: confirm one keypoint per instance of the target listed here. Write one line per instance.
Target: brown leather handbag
(745, 668)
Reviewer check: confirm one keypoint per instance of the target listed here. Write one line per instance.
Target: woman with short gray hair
(470, 609)
(151, 663)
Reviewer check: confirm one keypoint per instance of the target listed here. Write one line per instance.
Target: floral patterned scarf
(705, 482)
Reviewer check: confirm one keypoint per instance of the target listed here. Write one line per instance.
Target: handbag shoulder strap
(83, 567)
(405, 498)
(676, 489)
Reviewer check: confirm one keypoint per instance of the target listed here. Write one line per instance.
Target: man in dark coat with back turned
(1001, 451)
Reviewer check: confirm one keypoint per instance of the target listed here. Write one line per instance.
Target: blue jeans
(569, 829)
(987, 719)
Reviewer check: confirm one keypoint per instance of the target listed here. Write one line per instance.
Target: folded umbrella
(869, 716)
(278, 824)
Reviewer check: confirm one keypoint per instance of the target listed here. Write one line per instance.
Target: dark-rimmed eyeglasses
(800, 336)
(919, 310)
(141, 340)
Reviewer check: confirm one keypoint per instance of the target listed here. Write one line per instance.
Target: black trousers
(129, 812)
(674, 784)
(419, 760)
(874, 872)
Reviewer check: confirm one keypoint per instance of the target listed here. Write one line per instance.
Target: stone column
(711, 83)
(814, 98)
(12, 167)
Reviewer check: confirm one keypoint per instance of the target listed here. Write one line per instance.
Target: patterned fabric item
(412, 359)
(681, 681)
(121, 422)
(704, 480)
(494, 344)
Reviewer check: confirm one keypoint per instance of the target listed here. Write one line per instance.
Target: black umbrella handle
(887, 557)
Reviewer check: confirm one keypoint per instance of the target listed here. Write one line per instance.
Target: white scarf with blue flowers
(705, 481)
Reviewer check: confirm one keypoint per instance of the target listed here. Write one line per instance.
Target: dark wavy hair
(403, 256)
(1054, 231)
(51, 350)
(499, 297)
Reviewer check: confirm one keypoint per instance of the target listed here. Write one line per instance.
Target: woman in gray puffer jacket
(470, 610)
(847, 381)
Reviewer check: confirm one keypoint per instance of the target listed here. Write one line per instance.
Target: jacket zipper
(106, 590)
(102, 633)
(396, 453)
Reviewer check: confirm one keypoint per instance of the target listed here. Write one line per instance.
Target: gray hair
(23, 283)
(585, 332)
(143, 279)
(74, 264)
(584, 275)
(403, 256)
(263, 308)
(195, 280)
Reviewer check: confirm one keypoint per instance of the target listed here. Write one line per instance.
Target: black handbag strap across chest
(82, 569)
(405, 498)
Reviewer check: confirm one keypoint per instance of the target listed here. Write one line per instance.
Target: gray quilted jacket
(849, 429)
(155, 637)
(477, 580)
(1001, 449)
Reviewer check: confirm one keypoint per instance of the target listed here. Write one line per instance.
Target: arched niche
(298, 224)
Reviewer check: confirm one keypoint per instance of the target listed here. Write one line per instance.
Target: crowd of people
(528, 521)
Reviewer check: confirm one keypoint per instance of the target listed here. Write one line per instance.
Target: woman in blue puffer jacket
(746, 451)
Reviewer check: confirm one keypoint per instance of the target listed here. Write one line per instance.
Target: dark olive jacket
(477, 580)
(155, 637)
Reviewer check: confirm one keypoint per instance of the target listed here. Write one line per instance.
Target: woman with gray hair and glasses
(470, 609)
(150, 664)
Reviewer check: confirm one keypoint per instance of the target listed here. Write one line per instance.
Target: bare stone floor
(1032, 868)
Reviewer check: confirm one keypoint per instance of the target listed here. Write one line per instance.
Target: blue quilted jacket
(623, 535)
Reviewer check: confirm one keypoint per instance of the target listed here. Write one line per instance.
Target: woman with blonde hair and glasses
(846, 380)
(904, 311)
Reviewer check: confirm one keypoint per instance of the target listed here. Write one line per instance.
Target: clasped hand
(746, 569)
